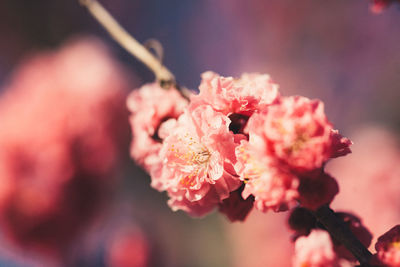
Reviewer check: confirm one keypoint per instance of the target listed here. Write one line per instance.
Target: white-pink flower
(288, 142)
(315, 250)
(151, 105)
(201, 207)
(273, 187)
(297, 132)
(198, 154)
(388, 247)
(245, 95)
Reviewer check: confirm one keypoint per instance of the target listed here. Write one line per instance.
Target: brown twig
(163, 75)
(342, 233)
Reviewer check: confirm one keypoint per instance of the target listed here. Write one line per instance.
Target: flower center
(201, 157)
(395, 245)
(298, 144)
(196, 153)
(194, 157)
(253, 169)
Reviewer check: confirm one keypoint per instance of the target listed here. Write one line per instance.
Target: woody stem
(339, 230)
(163, 75)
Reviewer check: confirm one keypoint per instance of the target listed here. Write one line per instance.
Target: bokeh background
(335, 50)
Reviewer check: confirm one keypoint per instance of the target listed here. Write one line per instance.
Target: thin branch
(163, 75)
(342, 233)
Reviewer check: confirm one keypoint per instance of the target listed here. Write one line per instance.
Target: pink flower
(199, 154)
(245, 95)
(273, 187)
(297, 132)
(315, 250)
(150, 106)
(61, 121)
(388, 247)
(128, 247)
(341, 145)
(289, 142)
(379, 5)
(198, 208)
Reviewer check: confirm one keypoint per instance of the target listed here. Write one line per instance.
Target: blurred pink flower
(315, 250)
(128, 247)
(379, 5)
(244, 95)
(62, 121)
(150, 106)
(199, 154)
(388, 248)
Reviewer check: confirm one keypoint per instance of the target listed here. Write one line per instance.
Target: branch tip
(124, 39)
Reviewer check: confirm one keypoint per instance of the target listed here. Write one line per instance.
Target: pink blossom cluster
(59, 139)
(235, 144)
(378, 6)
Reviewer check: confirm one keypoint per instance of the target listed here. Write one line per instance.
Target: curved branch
(163, 75)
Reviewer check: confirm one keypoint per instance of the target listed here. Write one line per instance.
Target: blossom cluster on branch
(240, 144)
(235, 144)
(308, 233)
